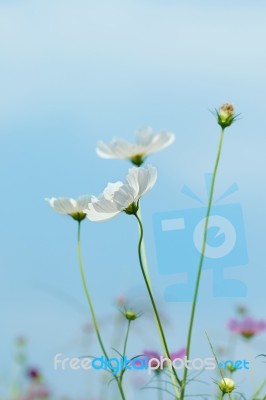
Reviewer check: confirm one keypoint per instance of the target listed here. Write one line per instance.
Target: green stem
(144, 255)
(124, 349)
(126, 339)
(95, 323)
(172, 371)
(201, 259)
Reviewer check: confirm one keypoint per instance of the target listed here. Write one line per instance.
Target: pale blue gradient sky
(75, 72)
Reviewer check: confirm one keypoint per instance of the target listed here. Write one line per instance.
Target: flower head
(147, 142)
(231, 368)
(227, 385)
(226, 115)
(131, 315)
(247, 327)
(69, 206)
(118, 197)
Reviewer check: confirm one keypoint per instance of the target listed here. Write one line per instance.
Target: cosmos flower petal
(83, 201)
(101, 210)
(111, 188)
(247, 326)
(142, 179)
(144, 136)
(118, 197)
(161, 141)
(118, 148)
(96, 216)
(124, 196)
(147, 142)
(69, 206)
(179, 354)
(62, 205)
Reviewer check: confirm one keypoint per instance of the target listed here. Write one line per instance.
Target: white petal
(103, 150)
(144, 136)
(101, 210)
(118, 148)
(74, 204)
(62, 205)
(111, 188)
(160, 141)
(142, 178)
(83, 201)
(133, 180)
(124, 196)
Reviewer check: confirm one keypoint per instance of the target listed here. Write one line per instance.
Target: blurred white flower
(118, 197)
(69, 206)
(147, 142)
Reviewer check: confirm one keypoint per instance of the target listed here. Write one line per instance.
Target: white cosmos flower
(69, 206)
(147, 142)
(118, 197)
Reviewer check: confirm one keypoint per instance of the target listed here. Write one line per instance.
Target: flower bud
(231, 368)
(226, 115)
(227, 385)
(130, 315)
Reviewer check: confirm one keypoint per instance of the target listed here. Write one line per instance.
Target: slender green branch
(144, 255)
(172, 371)
(217, 363)
(126, 339)
(95, 323)
(125, 349)
(191, 323)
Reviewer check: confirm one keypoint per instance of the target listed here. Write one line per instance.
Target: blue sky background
(72, 73)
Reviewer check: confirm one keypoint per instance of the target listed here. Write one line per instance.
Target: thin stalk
(201, 259)
(95, 323)
(172, 371)
(144, 255)
(126, 339)
(125, 349)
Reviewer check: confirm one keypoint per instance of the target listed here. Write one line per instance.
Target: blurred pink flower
(121, 300)
(247, 327)
(155, 357)
(37, 392)
(180, 354)
(152, 355)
